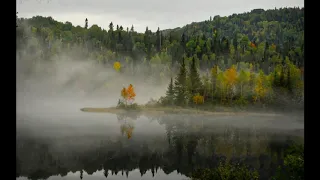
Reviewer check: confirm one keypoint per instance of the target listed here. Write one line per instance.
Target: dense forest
(244, 58)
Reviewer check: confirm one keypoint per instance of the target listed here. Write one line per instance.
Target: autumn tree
(117, 66)
(222, 86)
(124, 95)
(131, 93)
(260, 89)
(243, 80)
(198, 99)
(128, 94)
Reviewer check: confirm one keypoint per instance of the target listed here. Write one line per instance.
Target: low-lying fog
(51, 92)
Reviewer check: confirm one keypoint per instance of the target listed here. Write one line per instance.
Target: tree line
(242, 57)
(261, 37)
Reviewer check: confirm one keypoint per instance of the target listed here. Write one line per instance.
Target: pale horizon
(141, 13)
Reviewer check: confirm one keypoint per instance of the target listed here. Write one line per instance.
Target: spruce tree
(195, 81)
(170, 93)
(86, 24)
(180, 90)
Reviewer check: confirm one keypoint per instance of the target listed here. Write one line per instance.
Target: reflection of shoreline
(168, 110)
(187, 144)
(112, 174)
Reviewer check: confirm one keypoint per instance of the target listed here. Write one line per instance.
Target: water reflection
(187, 143)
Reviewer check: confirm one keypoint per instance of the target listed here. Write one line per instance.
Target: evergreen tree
(86, 24)
(195, 81)
(158, 40)
(170, 93)
(180, 89)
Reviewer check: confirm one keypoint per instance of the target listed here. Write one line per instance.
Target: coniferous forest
(255, 57)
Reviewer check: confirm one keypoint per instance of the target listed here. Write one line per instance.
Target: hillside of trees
(251, 57)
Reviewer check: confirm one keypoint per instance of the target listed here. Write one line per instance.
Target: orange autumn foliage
(129, 132)
(127, 129)
(131, 93)
(252, 45)
(124, 93)
(128, 93)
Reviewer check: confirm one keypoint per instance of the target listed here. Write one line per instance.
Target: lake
(70, 144)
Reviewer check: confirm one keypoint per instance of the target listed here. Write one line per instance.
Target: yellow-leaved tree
(198, 99)
(260, 89)
(124, 95)
(221, 86)
(243, 80)
(117, 66)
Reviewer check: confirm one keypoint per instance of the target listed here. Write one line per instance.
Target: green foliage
(170, 94)
(293, 168)
(133, 106)
(180, 88)
(226, 171)
(271, 41)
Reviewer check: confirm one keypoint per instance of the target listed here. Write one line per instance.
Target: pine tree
(180, 89)
(196, 85)
(158, 40)
(86, 24)
(170, 93)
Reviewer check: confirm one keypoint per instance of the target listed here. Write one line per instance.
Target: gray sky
(141, 13)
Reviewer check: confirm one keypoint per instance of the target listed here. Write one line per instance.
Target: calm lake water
(78, 145)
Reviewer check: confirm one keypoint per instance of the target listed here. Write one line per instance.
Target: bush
(133, 106)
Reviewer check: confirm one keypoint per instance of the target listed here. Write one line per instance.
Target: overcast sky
(141, 13)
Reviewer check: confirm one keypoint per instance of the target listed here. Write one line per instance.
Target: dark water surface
(80, 145)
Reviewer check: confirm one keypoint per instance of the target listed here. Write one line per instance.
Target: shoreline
(168, 110)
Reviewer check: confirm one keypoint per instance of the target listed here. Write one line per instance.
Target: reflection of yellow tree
(127, 129)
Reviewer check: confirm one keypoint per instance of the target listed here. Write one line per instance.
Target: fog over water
(54, 137)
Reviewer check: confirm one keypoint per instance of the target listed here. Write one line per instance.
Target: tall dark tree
(86, 24)
(180, 83)
(170, 93)
(195, 81)
(158, 41)
(183, 41)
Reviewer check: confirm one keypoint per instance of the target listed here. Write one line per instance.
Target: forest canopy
(240, 58)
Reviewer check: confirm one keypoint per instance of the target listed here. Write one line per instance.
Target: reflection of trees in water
(127, 124)
(189, 148)
(128, 116)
